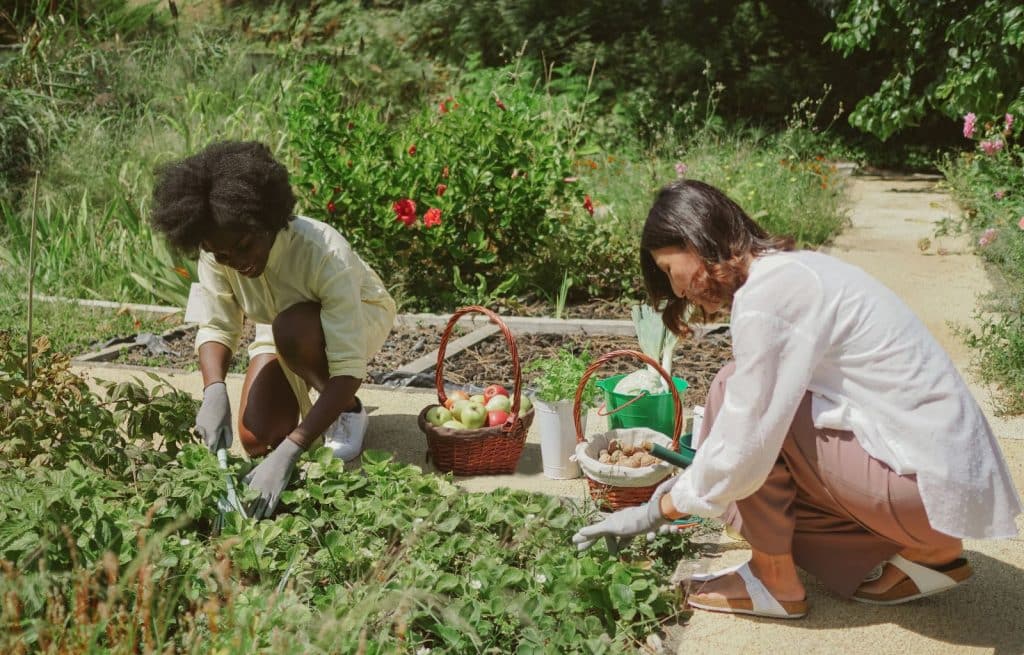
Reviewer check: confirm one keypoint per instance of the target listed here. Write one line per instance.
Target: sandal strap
(927, 580)
(764, 603)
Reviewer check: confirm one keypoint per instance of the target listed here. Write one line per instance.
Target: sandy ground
(889, 217)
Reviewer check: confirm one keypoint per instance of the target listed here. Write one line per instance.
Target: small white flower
(185, 542)
(423, 651)
(530, 517)
(541, 578)
(475, 584)
(417, 521)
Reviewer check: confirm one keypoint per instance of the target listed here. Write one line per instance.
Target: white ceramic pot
(557, 438)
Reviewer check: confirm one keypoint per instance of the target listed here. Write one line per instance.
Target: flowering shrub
(472, 188)
(988, 181)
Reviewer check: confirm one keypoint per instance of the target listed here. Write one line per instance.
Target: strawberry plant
(109, 547)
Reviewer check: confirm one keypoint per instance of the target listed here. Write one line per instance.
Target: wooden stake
(31, 277)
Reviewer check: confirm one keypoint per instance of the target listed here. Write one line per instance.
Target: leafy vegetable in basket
(657, 343)
(560, 375)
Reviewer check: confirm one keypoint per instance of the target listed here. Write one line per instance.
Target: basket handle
(603, 359)
(514, 352)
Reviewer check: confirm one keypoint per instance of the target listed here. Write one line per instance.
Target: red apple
(496, 417)
(494, 390)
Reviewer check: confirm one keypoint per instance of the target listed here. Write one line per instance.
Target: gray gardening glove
(620, 528)
(271, 477)
(213, 422)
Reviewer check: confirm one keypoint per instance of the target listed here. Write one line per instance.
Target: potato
(613, 446)
(604, 457)
(615, 456)
(648, 459)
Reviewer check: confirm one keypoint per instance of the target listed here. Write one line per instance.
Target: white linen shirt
(309, 261)
(805, 321)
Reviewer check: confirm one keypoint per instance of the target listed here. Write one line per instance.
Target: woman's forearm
(214, 359)
(338, 395)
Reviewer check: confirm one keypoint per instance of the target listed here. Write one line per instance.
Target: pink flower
(991, 147)
(588, 205)
(405, 211)
(681, 169)
(969, 121)
(987, 237)
(1008, 123)
(999, 195)
(1020, 223)
(432, 218)
(441, 188)
(570, 180)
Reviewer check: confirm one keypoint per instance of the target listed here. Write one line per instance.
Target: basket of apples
(475, 435)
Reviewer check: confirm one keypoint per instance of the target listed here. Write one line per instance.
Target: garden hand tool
(271, 477)
(230, 502)
(213, 422)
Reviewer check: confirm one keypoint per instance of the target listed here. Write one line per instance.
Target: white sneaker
(345, 435)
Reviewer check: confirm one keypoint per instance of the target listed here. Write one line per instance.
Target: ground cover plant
(106, 544)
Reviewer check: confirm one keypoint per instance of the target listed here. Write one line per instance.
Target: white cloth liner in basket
(588, 451)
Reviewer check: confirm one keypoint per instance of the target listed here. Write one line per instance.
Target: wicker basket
(624, 493)
(482, 451)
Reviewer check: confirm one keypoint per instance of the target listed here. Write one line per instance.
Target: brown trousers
(837, 509)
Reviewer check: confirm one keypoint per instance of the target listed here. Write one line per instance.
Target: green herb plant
(556, 378)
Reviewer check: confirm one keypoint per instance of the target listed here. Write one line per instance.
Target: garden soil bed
(488, 362)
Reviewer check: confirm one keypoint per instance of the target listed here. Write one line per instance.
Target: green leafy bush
(463, 202)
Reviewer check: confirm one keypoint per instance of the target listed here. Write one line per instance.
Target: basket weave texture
(615, 487)
(481, 451)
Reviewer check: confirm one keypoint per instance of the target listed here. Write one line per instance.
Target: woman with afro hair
(320, 312)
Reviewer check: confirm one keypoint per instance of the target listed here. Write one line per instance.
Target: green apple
(458, 407)
(499, 404)
(454, 425)
(478, 398)
(438, 415)
(525, 404)
(474, 415)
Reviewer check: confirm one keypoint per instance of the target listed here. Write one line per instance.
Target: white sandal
(921, 581)
(760, 603)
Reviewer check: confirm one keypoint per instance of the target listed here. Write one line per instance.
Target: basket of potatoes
(619, 470)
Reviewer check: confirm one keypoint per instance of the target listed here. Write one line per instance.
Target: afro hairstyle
(233, 185)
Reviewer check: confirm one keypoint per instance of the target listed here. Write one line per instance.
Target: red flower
(441, 188)
(432, 218)
(412, 150)
(588, 205)
(351, 125)
(501, 105)
(444, 172)
(405, 211)
(444, 108)
(330, 207)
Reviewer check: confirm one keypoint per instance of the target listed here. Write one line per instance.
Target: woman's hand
(271, 476)
(213, 422)
(620, 528)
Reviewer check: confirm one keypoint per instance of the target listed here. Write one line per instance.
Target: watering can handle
(603, 359)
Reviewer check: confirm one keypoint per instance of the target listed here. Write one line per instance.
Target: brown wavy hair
(697, 216)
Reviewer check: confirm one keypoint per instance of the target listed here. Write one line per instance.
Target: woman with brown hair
(841, 439)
